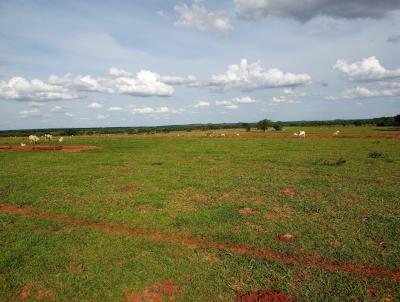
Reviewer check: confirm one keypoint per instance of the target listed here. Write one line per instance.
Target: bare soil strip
(47, 148)
(195, 242)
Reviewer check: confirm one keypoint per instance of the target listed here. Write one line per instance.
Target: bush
(277, 127)
(330, 162)
(375, 154)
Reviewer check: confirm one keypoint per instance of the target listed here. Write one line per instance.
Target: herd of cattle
(33, 139)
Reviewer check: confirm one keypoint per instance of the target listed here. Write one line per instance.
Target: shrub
(330, 162)
(375, 154)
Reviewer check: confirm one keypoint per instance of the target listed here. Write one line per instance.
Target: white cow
(295, 134)
(302, 134)
(336, 133)
(61, 139)
(33, 139)
(23, 145)
(48, 137)
(222, 134)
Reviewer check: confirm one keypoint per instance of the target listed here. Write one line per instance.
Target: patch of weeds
(330, 162)
(157, 163)
(375, 154)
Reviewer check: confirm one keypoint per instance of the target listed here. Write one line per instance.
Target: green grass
(195, 186)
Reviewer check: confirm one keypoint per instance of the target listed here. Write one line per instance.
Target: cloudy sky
(90, 63)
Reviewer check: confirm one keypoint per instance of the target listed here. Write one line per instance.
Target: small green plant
(375, 154)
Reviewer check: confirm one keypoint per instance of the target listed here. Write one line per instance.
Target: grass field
(196, 218)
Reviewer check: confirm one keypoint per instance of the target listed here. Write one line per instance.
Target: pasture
(193, 216)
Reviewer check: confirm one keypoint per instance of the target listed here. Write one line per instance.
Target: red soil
(47, 148)
(247, 211)
(156, 293)
(128, 188)
(284, 237)
(196, 242)
(264, 295)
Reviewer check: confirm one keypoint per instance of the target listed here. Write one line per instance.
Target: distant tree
(264, 124)
(277, 126)
(246, 126)
(397, 120)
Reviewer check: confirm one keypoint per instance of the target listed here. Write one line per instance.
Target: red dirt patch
(248, 211)
(380, 244)
(156, 293)
(47, 148)
(128, 188)
(197, 242)
(285, 237)
(264, 295)
(289, 191)
(26, 291)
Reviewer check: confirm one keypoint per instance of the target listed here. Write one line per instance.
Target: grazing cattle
(61, 139)
(33, 139)
(336, 133)
(295, 134)
(48, 137)
(302, 134)
(23, 145)
(222, 134)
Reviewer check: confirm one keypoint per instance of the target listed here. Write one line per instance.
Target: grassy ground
(339, 198)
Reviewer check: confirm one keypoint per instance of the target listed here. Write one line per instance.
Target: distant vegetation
(263, 125)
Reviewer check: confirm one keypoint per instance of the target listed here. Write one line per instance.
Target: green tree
(277, 126)
(397, 120)
(264, 124)
(246, 126)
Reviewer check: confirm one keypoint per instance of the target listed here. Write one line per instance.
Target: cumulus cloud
(35, 112)
(95, 105)
(369, 69)
(119, 72)
(148, 110)
(304, 10)
(58, 109)
(18, 88)
(288, 96)
(81, 83)
(227, 104)
(116, 108)
(251, 76)
(244, 100)
(145, 84)
(202, 104)
(360, 92)
(190, 80)
(198, 17)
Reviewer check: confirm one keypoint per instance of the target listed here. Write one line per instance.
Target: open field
(194, 216)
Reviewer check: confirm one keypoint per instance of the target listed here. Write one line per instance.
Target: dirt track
(47, 148)
(196, 242)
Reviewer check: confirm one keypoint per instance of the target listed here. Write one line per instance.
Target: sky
(87, 63)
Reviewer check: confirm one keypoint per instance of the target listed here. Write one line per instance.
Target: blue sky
(158, 62)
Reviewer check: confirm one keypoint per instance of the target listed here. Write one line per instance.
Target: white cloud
(176, 80)
(244, 100)
(82, 83)
(30, 113)
(58, 109)
(101, 117)
(116, 108)
(119, 72)
(202, 104)
(227, 104)
(146, 83)
(95, 105)
(148, 110)
(368, 69)
(198, 17)
(288, 96)
(248, 77)
(18, 88)
(69, 114)
(360, 92)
